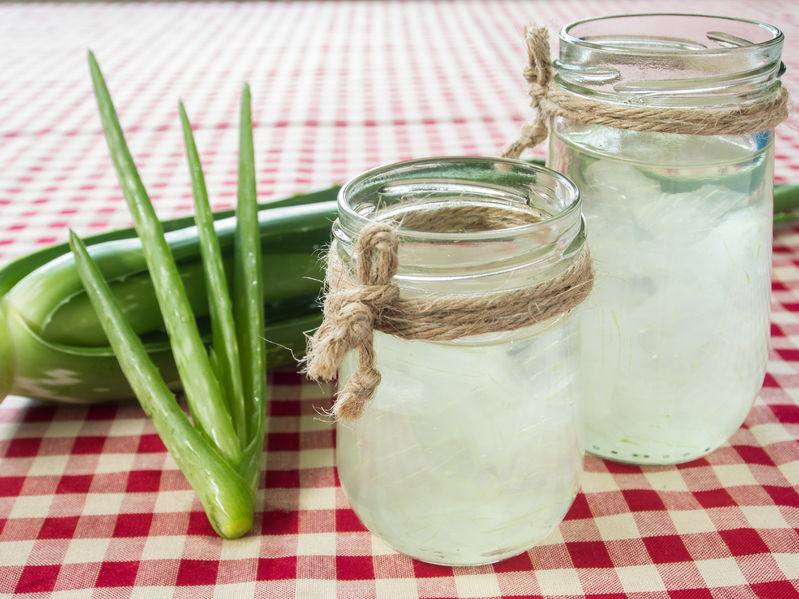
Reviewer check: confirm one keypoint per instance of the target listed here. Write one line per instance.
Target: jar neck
(522, 222)
(670, 60)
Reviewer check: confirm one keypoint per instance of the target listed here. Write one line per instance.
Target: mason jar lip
(776, 39)
(574, 203)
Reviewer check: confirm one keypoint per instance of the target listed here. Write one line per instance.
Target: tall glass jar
(674, 336)
(471, 450)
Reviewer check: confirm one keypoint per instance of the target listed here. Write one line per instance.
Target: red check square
(143, 481)
(691, 594)
(132, 525)
(193, 572)
(754, 455)
(23, 447)
(277, 568)
(88, 445)
(642, 500)
(58, 528)
(714, 498)
(78, 483)
(278, 522)
(589, 554)
(151, 443)
(117, 574)
(743, 541)
(777, 589)
(787, 496)
(786, 413)
(10, 486)
(37, 579)
(355, 567)
(666, 549)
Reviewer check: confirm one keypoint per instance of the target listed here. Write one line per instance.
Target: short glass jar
(471, 450)
(674, 337)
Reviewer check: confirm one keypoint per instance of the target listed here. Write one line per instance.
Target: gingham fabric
(91, 505)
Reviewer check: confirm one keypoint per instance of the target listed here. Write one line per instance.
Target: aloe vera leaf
(34, 367)
(16, 270)
(37, 362)
(55, 305)
(201, 387)
(248, 285)
(227, 499)
(225, 344)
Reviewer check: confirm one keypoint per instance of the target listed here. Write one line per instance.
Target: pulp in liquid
(674, 337)
(468, 453)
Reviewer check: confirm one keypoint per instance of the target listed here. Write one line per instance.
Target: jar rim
(777, 37)
(573, 205)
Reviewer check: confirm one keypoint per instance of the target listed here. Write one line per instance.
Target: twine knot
(549, 100)
(538, 72)
(350, 315)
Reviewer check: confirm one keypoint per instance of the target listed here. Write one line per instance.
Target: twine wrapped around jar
(549, 100)
(364, 299)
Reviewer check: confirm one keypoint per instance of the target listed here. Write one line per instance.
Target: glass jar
(471, 450)
(674, 337)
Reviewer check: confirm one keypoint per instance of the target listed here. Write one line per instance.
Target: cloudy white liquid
(674, 337)
(468, 453)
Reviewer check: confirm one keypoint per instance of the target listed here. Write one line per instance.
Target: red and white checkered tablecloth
(91, 505)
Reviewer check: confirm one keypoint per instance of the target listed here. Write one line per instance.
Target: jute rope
(549, 100)
(365, 299)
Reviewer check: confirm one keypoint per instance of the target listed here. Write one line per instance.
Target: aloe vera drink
(470, 452)
(674, 337)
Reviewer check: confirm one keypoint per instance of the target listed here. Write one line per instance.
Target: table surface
(90, 503)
